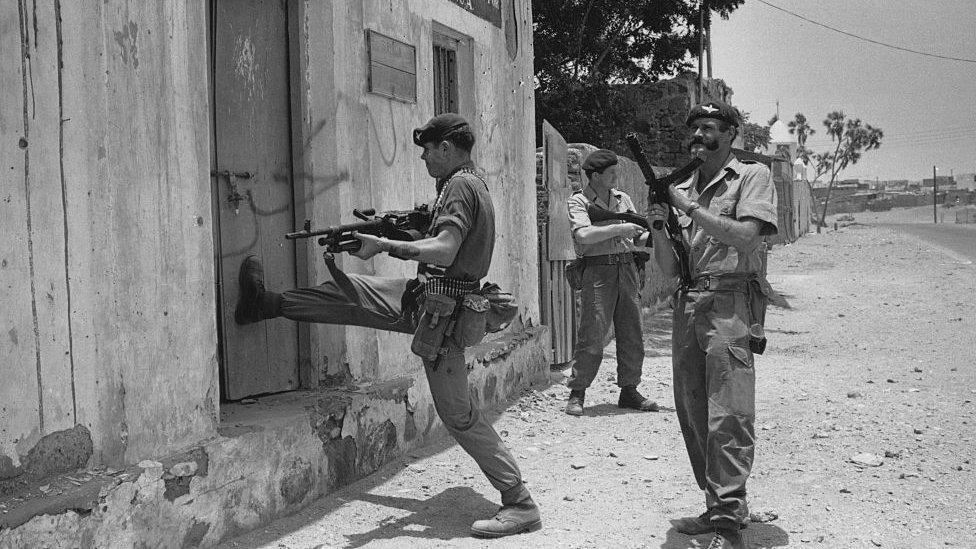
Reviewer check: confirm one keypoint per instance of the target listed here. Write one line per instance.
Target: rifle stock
(596, 213)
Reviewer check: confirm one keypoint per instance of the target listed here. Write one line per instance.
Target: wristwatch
(694, 206)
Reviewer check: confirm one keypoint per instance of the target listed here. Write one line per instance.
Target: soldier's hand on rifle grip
(656, 212)
(629, 230)
(372, 245)
(679, 199)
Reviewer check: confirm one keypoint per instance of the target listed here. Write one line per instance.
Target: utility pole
(701, 52)
(935, 196)
(708, 36)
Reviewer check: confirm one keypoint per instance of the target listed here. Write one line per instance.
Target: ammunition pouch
(472, 319)
(436, 322)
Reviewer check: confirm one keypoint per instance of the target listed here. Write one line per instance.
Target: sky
(925, 106)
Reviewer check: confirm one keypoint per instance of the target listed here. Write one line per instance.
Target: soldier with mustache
(725, 210)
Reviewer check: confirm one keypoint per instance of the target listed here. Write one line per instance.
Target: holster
(436, 322)
(574, 273)
(758, 294)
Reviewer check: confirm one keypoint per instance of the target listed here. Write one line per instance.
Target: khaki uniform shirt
(578, 218)
(464, 203)
(739, 190)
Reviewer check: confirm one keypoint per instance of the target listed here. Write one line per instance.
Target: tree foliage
(851, 139)
(754, 136)
(801, 128)
(584, 47)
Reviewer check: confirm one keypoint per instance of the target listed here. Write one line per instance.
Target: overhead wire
(852, 35)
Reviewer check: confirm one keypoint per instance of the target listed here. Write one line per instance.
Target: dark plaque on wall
(392, 67)
(490, 10)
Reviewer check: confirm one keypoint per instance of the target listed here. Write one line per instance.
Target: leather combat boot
(631, 398)
(254, 304)
(693, 526)
(518, 514)
(574, 406)
(727, 539)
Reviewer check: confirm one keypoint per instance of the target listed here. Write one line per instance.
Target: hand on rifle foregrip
(368, 247)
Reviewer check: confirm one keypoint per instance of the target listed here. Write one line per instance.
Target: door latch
(234, 196)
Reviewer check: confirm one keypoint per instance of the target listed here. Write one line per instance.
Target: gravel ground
(873, 363)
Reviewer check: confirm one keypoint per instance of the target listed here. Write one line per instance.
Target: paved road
(961, 239)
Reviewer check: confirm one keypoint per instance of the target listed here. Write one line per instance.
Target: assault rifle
(657, 193)
(596, 213)
(406, 225)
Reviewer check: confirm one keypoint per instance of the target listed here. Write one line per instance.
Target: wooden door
(558, 300)
(252, 184)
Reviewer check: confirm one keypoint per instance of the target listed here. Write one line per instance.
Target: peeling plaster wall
(359, 145)
(271, 459)
(106, 265)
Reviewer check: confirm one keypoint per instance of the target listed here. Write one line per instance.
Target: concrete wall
(108, 342)
(661, 109)
(107, 257)
(361, 142)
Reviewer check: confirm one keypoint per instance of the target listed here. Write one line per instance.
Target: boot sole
(531, 527)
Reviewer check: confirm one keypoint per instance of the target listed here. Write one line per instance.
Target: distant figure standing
(725, 209)
(611, 285)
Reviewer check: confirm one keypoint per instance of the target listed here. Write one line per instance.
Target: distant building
(966, 181)
(943, 181)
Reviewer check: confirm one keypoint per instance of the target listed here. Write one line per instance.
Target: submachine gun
(405, 225)
(657, 193)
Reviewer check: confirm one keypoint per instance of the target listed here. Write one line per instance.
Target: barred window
(445, 74)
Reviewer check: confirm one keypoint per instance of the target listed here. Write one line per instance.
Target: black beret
(599, 160)
(438, 127)
(714, 109)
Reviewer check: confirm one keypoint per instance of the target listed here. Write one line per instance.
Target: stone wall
(661, 109)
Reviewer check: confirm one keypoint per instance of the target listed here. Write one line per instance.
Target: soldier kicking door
(252, 186)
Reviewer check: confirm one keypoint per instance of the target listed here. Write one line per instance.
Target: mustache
(711, 146)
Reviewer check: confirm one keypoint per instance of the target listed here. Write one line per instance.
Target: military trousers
(714, 395)
(610, 294)
(376, 303)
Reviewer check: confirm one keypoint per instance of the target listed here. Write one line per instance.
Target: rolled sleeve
(758, 199)
(458, 208)
(578, 218)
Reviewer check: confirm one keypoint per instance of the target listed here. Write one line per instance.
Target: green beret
(599, 160)
(714, 109)
(438, 127)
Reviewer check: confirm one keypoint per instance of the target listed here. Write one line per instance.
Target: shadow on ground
(440, 517)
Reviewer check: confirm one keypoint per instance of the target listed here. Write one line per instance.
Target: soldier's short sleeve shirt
(579, 218)
(740, 190)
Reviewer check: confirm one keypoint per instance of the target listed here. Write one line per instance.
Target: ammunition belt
(450, 287)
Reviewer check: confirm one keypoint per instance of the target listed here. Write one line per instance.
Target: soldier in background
(610, 286)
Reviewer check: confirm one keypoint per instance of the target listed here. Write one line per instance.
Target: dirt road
(875, 357)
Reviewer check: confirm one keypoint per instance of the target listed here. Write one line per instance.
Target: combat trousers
(714, 395)
(609, 294)
(377, 304)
